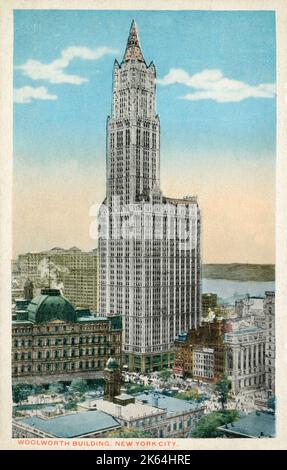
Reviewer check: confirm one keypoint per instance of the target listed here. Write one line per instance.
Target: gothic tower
(148, 272)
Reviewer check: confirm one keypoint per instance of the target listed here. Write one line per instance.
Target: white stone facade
(203, 362)
(149, 245)
(250, 346)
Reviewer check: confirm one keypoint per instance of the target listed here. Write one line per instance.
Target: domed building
(50, 306)
(51, 340)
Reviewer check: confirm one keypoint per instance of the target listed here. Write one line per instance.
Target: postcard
(143, 225)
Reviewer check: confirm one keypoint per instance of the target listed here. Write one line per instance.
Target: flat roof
(125, 396)
(73, 424)
(256, 424)
(171, 404)
(127, 412)
(245, 331)
(91, 319)
(22, 322)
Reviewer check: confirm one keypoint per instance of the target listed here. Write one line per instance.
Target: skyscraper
(149, 245)
(72, 270)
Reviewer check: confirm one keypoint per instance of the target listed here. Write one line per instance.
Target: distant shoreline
(239, 272)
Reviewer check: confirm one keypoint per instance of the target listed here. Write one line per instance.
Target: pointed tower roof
(133, 49)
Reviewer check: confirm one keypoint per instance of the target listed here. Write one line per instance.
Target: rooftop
(128, 412)
(51, 305)
(171, 404)
(124, 396)
(254, 425)
(91, 319)
(244, 331)
(74, 424)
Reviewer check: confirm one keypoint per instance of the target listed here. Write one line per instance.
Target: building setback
(53, 341)
(149, 245)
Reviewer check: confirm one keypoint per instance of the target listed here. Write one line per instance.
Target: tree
(138, 388)
(38, 389)
(189, 395)
(56, 387)
(71, 406)
(223, 388)
(79, 385)
(165, 375)
(129, 433)
(21, 392)
(208, 424)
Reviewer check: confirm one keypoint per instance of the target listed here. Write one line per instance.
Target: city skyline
(72, 102)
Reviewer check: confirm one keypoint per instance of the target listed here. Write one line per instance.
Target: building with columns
(245, 358)
(149, 244)
(250, 346)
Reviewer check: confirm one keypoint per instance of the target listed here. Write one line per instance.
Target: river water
(229, 291)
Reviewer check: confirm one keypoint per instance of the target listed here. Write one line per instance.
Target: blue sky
(206, 135)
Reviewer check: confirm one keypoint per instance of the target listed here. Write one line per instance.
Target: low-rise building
(51, 340)
(71, 425)
(200, 353)
(135, 414)
(258, 424)
(181, 415)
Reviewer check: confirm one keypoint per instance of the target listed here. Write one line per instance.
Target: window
(127, 137)
(138, 137)
(119, 138)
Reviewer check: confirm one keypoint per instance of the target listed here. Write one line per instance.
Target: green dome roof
(51, 305)
(112, 363)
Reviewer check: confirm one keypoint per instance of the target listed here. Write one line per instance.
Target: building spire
(133, 49)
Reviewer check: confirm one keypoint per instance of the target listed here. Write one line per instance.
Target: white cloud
(210, 84)
(54, 71)
(28, 93)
